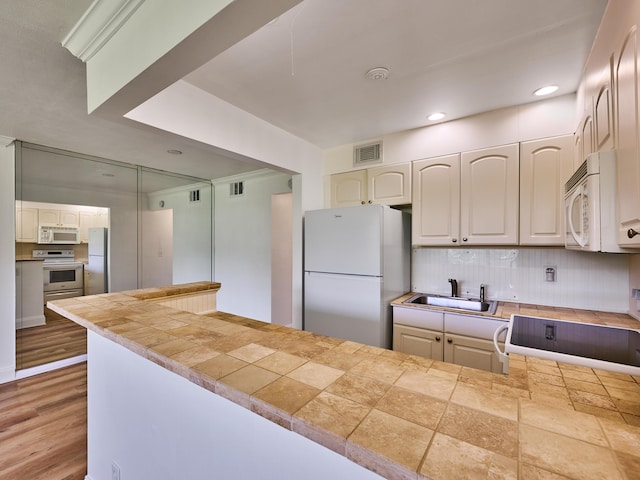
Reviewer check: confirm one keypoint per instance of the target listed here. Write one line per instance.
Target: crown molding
(260, 174)
(6, 141)
(98, 24)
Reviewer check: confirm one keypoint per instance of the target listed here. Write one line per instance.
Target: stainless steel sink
(458, 303)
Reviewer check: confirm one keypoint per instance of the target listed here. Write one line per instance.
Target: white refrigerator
(97, 266)
(356, 260)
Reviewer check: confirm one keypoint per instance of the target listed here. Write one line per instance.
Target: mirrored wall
(155, 228)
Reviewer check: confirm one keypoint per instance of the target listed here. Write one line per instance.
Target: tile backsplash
(598, 281)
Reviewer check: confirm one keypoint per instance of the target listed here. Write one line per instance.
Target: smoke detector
(378, 73)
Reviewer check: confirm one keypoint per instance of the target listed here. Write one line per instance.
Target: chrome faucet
(454, 287)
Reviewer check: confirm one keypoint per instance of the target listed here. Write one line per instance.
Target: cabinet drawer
(472, 326)
(418, 317)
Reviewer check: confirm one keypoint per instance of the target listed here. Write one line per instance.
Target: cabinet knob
(632, 233)
(454, 240)
(370, 202)
(464, 239)
(449, 340)
(362, 202)
(437, 339)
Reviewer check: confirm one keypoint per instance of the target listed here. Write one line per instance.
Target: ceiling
(305, 72)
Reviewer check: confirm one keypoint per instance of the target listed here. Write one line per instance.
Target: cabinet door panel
(471, 352)
(489, 196)
(587, 137)
(544, 167)
(436, 201)
(603, 118)
(48, 217)
(418, 341)
(349, 189)
(627, 129)
(390, 185)
(27, 225)
(69, 218)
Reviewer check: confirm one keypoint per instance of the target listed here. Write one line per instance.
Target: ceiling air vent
(194, 196)
(236, 188)
(367, 154)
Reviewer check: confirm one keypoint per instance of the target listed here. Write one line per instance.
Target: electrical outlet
(549, 273)
(115, 471)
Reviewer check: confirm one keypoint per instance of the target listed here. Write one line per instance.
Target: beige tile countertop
(402, 416)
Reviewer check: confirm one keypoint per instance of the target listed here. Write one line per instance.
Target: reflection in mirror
(175, 235)
(114, 201)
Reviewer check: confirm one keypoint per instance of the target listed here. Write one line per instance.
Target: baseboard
(48, 367)
(34, 321)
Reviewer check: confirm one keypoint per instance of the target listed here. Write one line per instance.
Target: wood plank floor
(43, 426)
(58, 339)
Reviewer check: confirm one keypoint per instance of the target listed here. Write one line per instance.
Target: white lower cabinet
(418, 341)
(461, 339)
(471, 352)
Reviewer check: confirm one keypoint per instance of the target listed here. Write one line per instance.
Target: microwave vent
(578, 175)
(236, 189)
(367, 154)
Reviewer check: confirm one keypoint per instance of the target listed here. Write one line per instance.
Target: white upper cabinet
(26, 224)
(386, 185)
(602, 112)
(66, 218)
(627, 138)
(545, 166)
(467, 199)
(436, 201)
(489, 195)
(390, 185)
(89, 219)
(349, 189)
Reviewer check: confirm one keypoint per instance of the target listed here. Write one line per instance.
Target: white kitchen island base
(154, 424)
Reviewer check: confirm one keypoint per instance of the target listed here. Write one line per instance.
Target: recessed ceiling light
(174, 152)
(378, 73)
(436, 116)
(545, 90)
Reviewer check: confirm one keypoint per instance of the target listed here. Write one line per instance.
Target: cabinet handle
(454, 240)
(449, 340)
(464, 239)
(437, 339)
(632, 233)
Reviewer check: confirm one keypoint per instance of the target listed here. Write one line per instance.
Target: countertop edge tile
(319, 435)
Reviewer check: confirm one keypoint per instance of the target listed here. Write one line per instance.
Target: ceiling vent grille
(194, 196)
(236, 189)
(367, 154)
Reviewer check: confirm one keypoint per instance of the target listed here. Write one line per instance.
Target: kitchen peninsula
(176, 394)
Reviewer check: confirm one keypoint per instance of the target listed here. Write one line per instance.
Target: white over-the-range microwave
(590, 205)
(53, 234)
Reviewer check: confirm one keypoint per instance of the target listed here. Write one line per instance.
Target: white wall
(192, 231)
(7, 261)
(157, 425)
(242, 243)
(545, 118)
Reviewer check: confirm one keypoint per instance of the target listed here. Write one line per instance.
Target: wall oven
(62, 276)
